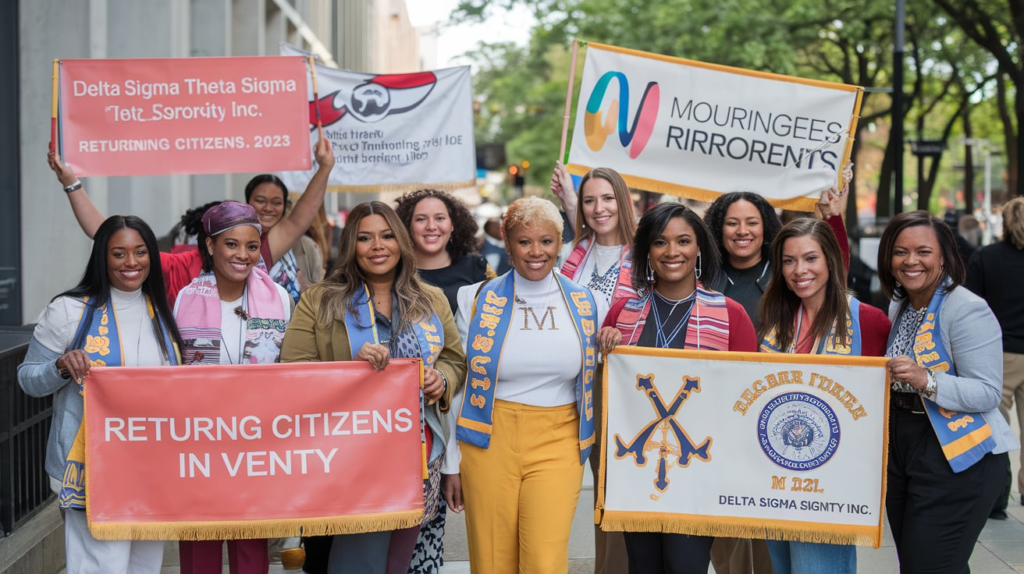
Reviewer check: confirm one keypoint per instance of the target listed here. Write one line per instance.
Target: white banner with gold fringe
(748, 445)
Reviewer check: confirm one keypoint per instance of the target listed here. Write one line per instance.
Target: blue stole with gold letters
(965, 438)
(362, 329)
(488, 328)
(98, 334)
(828, 345)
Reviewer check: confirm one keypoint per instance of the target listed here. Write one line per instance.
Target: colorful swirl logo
(636, 137)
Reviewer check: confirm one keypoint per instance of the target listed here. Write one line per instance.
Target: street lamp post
(897, 107)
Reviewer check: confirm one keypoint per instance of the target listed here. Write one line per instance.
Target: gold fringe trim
(402, 187)
(700, 194)
(731, 527)
(242, 530)
(726, 69)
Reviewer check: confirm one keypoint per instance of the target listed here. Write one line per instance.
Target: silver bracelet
(73, 187)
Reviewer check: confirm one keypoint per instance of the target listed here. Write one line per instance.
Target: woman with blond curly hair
(526, 425)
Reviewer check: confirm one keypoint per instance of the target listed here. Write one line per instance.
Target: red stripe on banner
(406, 80)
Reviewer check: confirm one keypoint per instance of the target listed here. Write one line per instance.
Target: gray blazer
(38, 377)
(973, 340)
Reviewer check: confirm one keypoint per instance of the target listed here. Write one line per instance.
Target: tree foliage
(963, 62)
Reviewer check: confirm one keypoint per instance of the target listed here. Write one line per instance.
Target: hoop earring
(650, 272)
(697, 272)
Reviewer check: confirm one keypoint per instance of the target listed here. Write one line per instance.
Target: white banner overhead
(393, 132)
(700, 130)
(744, 445)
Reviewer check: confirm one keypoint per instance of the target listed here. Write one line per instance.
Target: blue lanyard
(660, 340)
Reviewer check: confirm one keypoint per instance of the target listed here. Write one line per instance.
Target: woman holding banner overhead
(116, 316)
(944, 423)
(806, 309)
(232, 314)
(604, 228)
(673, 256)
(527, 423)
(373, 307)
(600, 260)
(180, 268)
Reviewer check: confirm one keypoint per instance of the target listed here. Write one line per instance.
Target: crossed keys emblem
(674, 443)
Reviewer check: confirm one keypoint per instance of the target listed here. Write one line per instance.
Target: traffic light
(515, 176)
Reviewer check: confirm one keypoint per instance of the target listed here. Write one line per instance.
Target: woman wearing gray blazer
(946, 437)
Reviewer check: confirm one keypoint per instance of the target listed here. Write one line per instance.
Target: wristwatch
(73, 187)
(933, 385)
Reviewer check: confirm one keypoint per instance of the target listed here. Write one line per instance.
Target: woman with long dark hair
(807, 310)
(373, 307)
(117, 315)
(674, 257)
(946, 364)
(744, 225)
(232, 314)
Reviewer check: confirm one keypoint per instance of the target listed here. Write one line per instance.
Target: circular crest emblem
(798, 431)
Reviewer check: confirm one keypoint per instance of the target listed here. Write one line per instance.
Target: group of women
(509, 398)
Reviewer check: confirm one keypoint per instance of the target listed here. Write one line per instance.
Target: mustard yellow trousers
(521, 493)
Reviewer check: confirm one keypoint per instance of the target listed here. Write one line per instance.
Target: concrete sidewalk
(1000, 548)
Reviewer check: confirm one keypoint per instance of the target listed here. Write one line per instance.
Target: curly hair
(529, 210)
(715, 218)
(1013, 222)
(464, 227)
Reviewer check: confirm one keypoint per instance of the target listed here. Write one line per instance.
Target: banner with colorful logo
(700, 130)
(392, 132)
(748, 445)
(253, 451)
(157, 116)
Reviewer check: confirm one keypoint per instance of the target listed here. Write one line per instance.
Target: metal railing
(24, 426)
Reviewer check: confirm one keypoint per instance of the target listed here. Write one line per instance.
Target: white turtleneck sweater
(541, 358)
(58, 322)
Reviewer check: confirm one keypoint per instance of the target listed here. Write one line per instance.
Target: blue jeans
(812, 558)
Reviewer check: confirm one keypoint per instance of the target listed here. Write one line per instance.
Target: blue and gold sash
(965, 438)
(362, 329)
(101, 341)
(827, 345)
(492, 316)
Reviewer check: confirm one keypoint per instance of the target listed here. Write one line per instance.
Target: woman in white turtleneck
(525, 428)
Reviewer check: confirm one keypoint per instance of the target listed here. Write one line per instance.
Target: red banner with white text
(161, 116)
(253, 451)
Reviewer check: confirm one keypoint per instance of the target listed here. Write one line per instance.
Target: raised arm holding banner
(699, 130)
